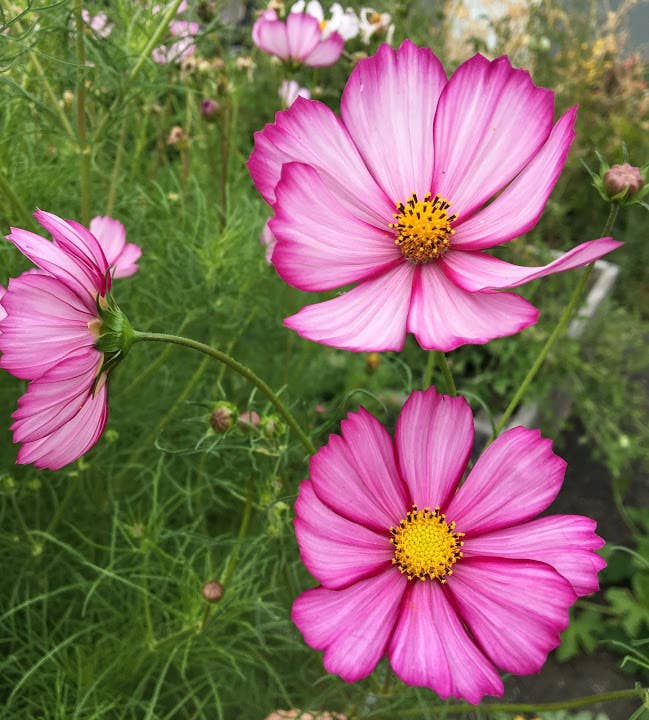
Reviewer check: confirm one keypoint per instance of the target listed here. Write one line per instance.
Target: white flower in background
(344, 22)
(290, 90)
(372, 22)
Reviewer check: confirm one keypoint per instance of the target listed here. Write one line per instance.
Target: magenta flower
(121, 256)
(54, 317)
(297, 40)
(394, 197)
(450, 583)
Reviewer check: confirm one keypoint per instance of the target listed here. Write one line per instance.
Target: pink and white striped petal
(514, 479)
(434, 439)
(430, 648)
(515, 609)
(566, 542)
(326, 52)
(336, 551)
(355, 474)
(321, 245)
(309, 132)
(370, 317)
(443, 316)
(302, 35)
(388, 106)
(353, 626)
(490, 122)
(477, 271)
(518, 208)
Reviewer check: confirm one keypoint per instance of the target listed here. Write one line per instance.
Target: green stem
(243, 529)
(53, 98)
(428, 372)
(82, 133)
(558, 331)
(448, 376)
(538, 708)
(244, 371)
(117, 166)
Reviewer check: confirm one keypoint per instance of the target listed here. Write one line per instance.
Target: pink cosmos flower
(180, 49)
(298, 40)
(268, 241)
(121, 256)
(47, 336)
(99, 23)
(395, 197)
(450, 583)
(3, 314)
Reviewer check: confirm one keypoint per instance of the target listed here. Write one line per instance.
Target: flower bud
(221, 418)
(248, 420)
(209, 109)
(623, 178)
(372, 362)
(212, 591)
(178, 137)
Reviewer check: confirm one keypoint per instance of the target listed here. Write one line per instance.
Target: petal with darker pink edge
(430, 648)
(515, 609)
(490, 122)
(353, 626)
(370, 317)
(270, 36)
(443, 316)
(566, 542)
(326, 52)
(336, 551)
(434, 438)
(476, 271)
(388, 106)
(518, 208)
(355, 474)
(309, 132)
(514, 479)
(321, 245)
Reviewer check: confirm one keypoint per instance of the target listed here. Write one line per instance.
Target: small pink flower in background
(344, 22)
(290, 90)
(301, 715)
(394, 196)
(267, 240)
(98, 23)
(182, 8)
(451, 583)
(121, 256)
(48, 334)
(182, 48)
(298, 39)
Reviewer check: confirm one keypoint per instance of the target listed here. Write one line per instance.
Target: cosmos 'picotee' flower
(395, 197)
(298, 39)
(57, 318)
(450, 583)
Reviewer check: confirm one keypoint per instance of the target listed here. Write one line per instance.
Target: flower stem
(559, 329)
(448, 375)
(428, 372)
(82, 134)
(535, 709)
(239, 368)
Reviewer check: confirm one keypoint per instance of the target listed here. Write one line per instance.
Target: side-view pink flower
(298, 39)
(394, 196)
(53, 318)
(121, 256)
(451, 583)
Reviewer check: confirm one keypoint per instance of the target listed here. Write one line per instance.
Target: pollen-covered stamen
(425, 545)
(424, 227)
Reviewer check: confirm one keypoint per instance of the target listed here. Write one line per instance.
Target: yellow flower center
(425, 545)
(424, 228)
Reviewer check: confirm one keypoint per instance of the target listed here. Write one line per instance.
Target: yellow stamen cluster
(425, 545)
(424, 228)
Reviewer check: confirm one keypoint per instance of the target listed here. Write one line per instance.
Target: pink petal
(334, 550)
(266, 16)
(353, 626)
(126, 262)
(310, 133)
(356, 475)
(518, 208)
(434, 439)
(3, 313)
(430, 648)
(321, 245)
(303, 35)
(110, 234)
(491, 120)
(514, 479)
(370, 317)
(476, 271)
(73, 439)
(270, 36)
(53, 399)
(515, 609)
(443, 316)
(388, 106)
(566, 542)
(326, 52)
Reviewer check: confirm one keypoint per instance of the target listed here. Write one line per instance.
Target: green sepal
(116, 335)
